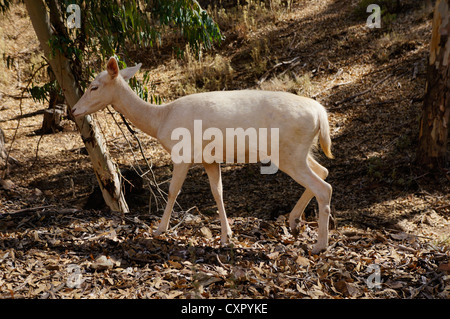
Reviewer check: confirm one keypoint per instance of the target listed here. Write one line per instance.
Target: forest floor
(391, 235)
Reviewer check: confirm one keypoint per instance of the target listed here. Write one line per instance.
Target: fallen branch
(368, 104)
(425, 285)
(16, 97)
(276, 66)
(363, 92)
(39, 208)
(28, 210)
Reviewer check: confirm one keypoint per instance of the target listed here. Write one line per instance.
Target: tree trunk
(104, 168)
(56, 108)
(52, 120)
(433, 136)
(3, 154)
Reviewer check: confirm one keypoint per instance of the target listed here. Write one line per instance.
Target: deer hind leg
(215, 181)
(178, 176)
(299, 208)
(305, 176)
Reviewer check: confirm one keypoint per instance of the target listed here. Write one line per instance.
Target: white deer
(300, 121)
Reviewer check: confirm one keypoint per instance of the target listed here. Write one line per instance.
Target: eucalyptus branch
(22, 97)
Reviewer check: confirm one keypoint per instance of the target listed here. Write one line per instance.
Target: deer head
(103, 90)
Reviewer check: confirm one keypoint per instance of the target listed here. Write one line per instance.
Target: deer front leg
(215, 181)
(178, 177)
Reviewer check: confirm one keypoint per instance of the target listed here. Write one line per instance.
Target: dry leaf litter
(96, 255)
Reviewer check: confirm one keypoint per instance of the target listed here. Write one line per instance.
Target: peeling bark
(105, 170)
(433, 135)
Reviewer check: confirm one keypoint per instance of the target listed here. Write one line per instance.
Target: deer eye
(93, 88)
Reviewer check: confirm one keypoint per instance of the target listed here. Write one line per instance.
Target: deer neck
(145, 116)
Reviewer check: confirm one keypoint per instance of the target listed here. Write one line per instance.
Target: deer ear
(128, 73)
(113, 68)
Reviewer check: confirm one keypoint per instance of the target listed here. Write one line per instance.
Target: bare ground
(390, 215)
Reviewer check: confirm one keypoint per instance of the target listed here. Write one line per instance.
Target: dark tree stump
(52, 119)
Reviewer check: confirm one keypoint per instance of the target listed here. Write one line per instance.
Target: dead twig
(184, 217)
(152, 183)
(28, 210)
(363, 92)
(16, 97)
(22, 97)
(276, 66)
(425, 285)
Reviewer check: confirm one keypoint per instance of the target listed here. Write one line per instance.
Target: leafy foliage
(40, 93)
(4, 5)
(194, 23)
(114, 27)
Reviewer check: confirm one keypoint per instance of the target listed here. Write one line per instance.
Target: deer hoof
(318, 248)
